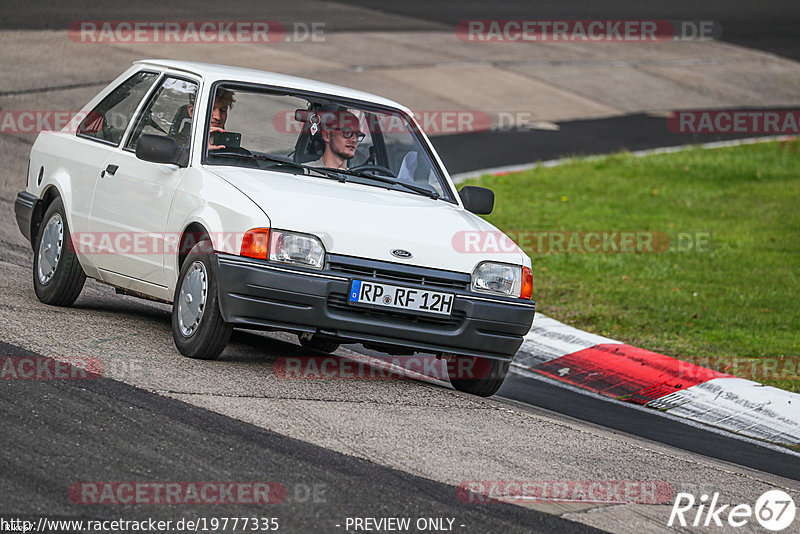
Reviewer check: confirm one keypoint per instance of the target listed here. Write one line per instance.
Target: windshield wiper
(385, 179)
(327, 173)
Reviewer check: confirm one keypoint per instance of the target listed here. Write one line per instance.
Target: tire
(58, 277)
(477, 376)
(318, 343)
(198, 328)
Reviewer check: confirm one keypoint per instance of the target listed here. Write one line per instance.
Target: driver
(341, 133)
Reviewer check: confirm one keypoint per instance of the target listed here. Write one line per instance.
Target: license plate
(404, 298)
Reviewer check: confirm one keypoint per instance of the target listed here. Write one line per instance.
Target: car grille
(392, 272)
(338, 301)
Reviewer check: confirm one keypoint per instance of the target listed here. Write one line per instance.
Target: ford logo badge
(400, 253)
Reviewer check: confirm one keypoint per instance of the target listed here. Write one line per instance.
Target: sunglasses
(348, 133)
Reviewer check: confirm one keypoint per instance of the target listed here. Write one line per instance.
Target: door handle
(111, 169)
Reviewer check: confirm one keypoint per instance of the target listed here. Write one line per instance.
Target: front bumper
(259, 294)
(24, 207)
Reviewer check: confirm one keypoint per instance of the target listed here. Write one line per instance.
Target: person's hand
(212, 130)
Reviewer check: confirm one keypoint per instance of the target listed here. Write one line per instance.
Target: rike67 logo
(775, 510)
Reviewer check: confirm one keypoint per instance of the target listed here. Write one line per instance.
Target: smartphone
(227, 139)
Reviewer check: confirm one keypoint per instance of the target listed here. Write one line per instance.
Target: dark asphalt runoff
(57, 433)
(468, 152)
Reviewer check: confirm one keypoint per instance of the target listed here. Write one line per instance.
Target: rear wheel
(198, 328)
(477, 376)
(57, 275)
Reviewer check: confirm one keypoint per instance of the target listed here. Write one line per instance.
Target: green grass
(734, 303)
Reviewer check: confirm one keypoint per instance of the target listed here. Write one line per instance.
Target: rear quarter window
(110, 118)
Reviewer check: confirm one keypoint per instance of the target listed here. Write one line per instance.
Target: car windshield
(321, 137)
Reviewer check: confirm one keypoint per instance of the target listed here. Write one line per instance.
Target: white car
(262, 201)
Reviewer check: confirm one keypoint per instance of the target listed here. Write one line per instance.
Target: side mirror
(478, 200)
(161, 149)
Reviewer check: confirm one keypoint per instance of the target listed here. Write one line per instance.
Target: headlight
(296, 249)
(503, 279)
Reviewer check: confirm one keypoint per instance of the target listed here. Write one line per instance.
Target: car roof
(212, 72)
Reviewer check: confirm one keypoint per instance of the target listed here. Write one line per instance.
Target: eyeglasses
(348, 133)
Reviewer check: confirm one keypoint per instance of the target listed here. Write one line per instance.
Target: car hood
(369, 222)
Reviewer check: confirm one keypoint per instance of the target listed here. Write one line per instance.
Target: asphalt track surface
(640, 422)
(59, 432)
(769, 25)
(648, 424)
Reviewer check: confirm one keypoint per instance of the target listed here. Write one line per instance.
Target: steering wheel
(375, 168)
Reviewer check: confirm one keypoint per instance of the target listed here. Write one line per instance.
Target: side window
(109, 119)
(169, 113)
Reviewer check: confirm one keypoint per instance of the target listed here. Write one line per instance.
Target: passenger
(223, 101)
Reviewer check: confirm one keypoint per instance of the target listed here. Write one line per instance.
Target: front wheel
(477, 376)
(198, 328)
(57, 275)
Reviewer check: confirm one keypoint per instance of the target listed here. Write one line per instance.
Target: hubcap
(50, 248)
(192, 300)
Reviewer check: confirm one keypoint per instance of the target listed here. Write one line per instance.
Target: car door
(98, 135)
(133, 197)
